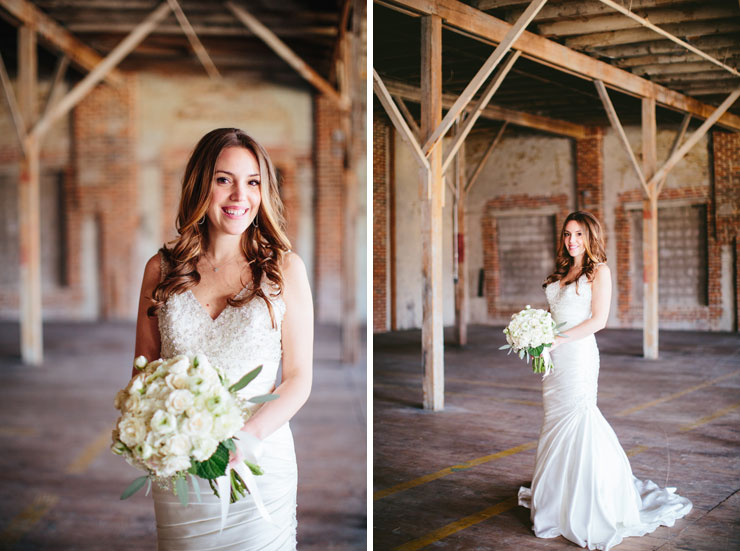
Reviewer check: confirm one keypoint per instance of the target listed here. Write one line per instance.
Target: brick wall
(328, 237)
(105, 187)
(631, 313)
(496, 305)
(381, 133)
(726, 200)
(590, 173)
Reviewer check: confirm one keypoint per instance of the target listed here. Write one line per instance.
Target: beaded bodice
(571, 304)
(237, 341)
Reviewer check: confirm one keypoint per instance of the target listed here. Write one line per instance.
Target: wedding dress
(583, 488)
(238, 340)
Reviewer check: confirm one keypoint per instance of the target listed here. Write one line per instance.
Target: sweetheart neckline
(206, 312)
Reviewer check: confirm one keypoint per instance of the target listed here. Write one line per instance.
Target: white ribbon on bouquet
(548, 361)
(251, 449)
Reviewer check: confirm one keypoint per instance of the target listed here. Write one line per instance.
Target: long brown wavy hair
(593, 242)
(263, 246)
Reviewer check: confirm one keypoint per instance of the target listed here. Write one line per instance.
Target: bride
(230, 287)
(583, 487)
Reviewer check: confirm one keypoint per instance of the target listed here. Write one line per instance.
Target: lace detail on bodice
(237, 341)
(572, 303)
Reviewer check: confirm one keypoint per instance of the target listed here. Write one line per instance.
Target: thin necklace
(216, 268)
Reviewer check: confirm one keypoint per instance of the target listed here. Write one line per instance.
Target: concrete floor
(60, 485)
(448, 480)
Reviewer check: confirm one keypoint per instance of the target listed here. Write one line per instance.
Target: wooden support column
(432, 333)
(460, 231)
(650, 232)
(29, 228)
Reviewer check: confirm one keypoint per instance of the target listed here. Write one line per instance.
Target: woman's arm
(601, 296)
(297, 337)
(147, 331)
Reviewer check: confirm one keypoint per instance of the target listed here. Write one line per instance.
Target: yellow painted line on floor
(709, 418)
(380, 494)
(88, 455)
(676, 395)
(461, 524)
(636, 450)
(26, 520)
(17, 431)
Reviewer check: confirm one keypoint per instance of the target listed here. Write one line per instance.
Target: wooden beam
(458, 242)
(195, 42)
(59, 72)
(432, 332)
(408, 117)
(706, 12)
(15, 112)
(656, 46)
(487, 153)
(480, 105)
(676, 142)
(629, 36)
(678, 68)
(619, 130)
(29, 222)
(586, 8)
(498, 113)
(613, 22)
(288, 55)
(478, 24)
(695, 137)
(126, 46)
(398, 121)
(677, 57)
(650, 233)
(483, 73)
(56, 35)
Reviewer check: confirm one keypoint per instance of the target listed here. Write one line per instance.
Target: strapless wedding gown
(238, 340)
(583, 488)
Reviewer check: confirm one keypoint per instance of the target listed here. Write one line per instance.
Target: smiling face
(574, 237)
(235, 195)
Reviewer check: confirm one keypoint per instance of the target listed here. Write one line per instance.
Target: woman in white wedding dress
(229, 286)
(583, 487)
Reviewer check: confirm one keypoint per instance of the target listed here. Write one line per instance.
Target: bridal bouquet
(530, 333)
(179, 418)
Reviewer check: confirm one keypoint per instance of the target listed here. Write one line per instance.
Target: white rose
(132, 430)
(136, 385)
(198, 422)
(178, 365)
(177, 380)
(178, 445)
(179, 400)
(203, 447)
(163, 422)
(144, 450)
(133, 403)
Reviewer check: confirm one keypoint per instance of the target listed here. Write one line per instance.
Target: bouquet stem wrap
(251, 449)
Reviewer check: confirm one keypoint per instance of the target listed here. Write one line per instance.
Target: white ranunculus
(177, 380)
(136, 385)
(179, 400)
(178, 365)
(174, 463)
(163, 422)
(203, 447)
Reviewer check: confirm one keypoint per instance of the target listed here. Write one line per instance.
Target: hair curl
(593, 242)
(263, 246)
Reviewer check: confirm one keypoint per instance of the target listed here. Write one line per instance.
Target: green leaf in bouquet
(263, 398)
(196, 488)
(134, 487)
(521, 354)
(256, 469)
(181, 489)
(244, 381)
(537, 350)
(214, 466)
(229, 443)
(504, 347)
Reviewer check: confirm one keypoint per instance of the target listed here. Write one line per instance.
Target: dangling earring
(255, 223)
(201, 221)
